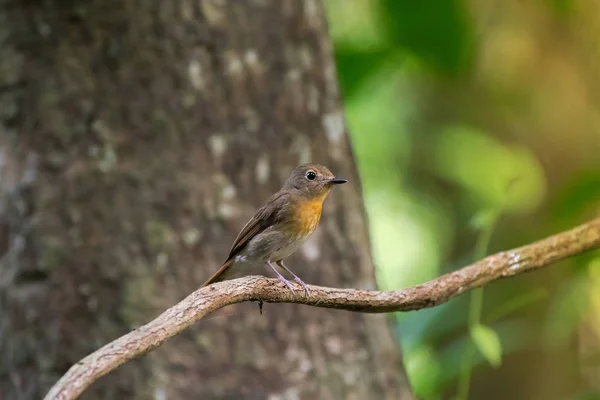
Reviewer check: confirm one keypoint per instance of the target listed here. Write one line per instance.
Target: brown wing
(263, 218)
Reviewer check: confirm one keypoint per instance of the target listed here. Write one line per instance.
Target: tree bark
(136, 139)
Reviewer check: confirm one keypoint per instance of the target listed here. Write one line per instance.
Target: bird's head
(312, 180)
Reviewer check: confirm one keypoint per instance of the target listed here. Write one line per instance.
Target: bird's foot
(282, 278)
(306, 289)
(296, 279)
(287, 283)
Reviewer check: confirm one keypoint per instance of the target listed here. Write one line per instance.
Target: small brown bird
(282, 224)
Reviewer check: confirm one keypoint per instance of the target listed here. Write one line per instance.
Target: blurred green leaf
(488, 343)
(437, 32)
(499, 176)
(423, 369)
(484, 219)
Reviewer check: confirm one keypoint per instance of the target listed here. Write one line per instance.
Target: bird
(282, 225)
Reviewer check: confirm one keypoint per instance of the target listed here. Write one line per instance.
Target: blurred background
(476, 128)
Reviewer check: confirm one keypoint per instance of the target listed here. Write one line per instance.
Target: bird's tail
(220, 274)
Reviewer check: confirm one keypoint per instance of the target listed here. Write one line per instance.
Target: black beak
(338, 181)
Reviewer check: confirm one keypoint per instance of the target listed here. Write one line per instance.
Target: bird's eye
(310, 175)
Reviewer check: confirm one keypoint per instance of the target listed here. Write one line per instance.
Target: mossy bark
(136, 138)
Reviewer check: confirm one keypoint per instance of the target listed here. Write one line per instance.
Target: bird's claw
(306, 289)
(287, 283)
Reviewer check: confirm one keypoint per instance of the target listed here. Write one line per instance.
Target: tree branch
(254, 288)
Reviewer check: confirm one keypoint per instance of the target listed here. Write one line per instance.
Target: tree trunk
(136, 139)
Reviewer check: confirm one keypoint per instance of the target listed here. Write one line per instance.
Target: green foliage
(570, 305)
(484, 338)
(424, 368)
(355, 67)
(437, 32)
(442, 156)
(488, 169)
(487, 342)
(580, 194)
(516, 303)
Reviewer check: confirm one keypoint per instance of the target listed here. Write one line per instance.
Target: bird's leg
(281, 277)
(306, 290)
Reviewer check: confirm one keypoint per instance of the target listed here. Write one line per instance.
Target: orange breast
(307, 214)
